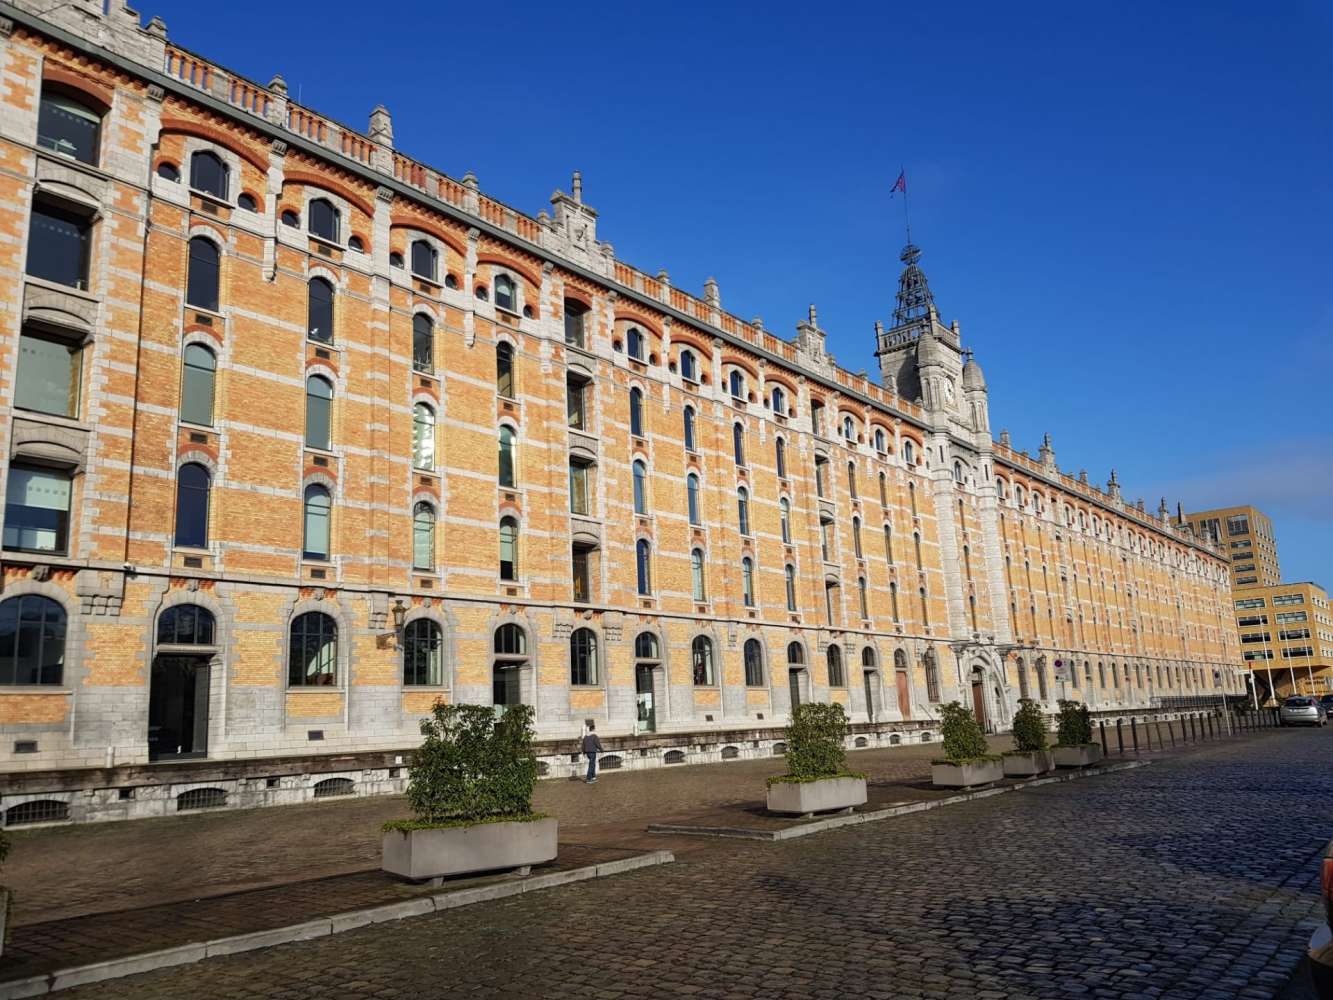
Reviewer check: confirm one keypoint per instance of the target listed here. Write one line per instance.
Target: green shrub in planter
(963, 739)
(472, 768)
(815, 744)
(1074, 727)
(1029, 727)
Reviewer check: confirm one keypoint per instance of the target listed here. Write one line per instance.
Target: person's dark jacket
(591, 744)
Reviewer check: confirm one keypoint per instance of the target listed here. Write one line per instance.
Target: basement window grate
(37, 811)
(330, 787)
(201, 798)
(610, 763)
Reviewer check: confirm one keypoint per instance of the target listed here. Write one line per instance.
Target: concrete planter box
(456, 850)
(1078, 756)
(802, 797)
(1028, 763)
(979, 772)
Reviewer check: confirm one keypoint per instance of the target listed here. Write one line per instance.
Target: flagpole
(907, 219)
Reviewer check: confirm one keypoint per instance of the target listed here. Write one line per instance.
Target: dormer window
(425, 260)
(506, 295)
(324, 219)
(209, 174)
(69, 127)
(634, 343)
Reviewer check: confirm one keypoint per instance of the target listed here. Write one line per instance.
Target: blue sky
(1123, 205)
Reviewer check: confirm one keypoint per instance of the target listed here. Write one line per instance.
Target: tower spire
(914, 298)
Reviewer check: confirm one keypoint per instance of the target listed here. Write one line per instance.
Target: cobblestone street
(1194, 877)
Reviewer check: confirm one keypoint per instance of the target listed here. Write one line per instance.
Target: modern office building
(1246, 535)
(1286, 638)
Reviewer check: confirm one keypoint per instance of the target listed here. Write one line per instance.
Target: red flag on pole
(900, 184)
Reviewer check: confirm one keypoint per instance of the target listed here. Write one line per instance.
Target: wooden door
(904, 695)
(979, 704)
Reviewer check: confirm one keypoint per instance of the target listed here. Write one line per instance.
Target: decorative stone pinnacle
(577, 185)
(470, 180)
(381, 126)
(278, 85)
(711, 295)
(814, 316)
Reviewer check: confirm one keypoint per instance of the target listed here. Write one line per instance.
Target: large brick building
(302, 435)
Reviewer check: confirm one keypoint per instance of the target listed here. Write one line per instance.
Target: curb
(187, 954)
(855, 819)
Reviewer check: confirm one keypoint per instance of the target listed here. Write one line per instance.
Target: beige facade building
(1246, 535)
(1286, 638)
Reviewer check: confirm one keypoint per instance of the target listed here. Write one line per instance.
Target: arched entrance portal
(178, 690)
(979, 699)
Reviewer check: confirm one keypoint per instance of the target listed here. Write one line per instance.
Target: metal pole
(1120, 737)
(1134, 733)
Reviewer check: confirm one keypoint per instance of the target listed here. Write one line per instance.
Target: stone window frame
(315, 269)
(197, 456)
(512, 512)
(764, 672)
(199, 229)
(315, 478)
(311, 192)
(331, 606)
(601, 662)
(528, 662)
(74, 661)
(219, 679)
(448, 648)
(718, 682)
(196, 144)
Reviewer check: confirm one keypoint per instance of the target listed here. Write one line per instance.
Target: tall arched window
(583, 657)
(209, 174)
(851, 480)
(701, 661)
(511, 655)
(893, 599)
(202, 279)
(32, 640)
(957, 472)
(836, 675)
(692, 498)
(643, 566)
(689, 429)
(639, 473)
(576, 323)
(318, 412)
(779, 401)
(319, 312)
(697, 584)
(908, 454)
(636, 412)
(753, 654)
(1041, 677)
(506, 470)
(736, 384)
(506, 293)
(849, 429)
(883, 490)
(856, 538)
(791, 587)
(888, 544)
(634, 343)
(1022, 679)
(315, 536)
(508, 548)
(868, 661)
(747, 581)
(743, 510)
(911, 497)
(784, 519)
(932, 677)
(423, 536)
(313, 653)
(504, 369)
(423, 437)
(423, 343)
(192, 484)
(780, 457)
(197, 383)
(425, 260)
(689, 369)
(423, 653)
(880, 440)
(865, 598)
(322, 219)
(738, 443)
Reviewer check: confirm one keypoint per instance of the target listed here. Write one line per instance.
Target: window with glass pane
(738, 443)
(636, 412)
(688, 367)
(888, 544)
(506, 293)
(576, 391)
(643, 569)
(865, 599)
(319, 315)
(692, 497)
(851, 480)
(313, 653)
(580, 571)
(645, 647)
(780, 453)
(423, 343)
(697, 575)
(323, 220)
(743, 510)
(689, 429)
(830, 602)
(779, 401)
(504, 370)
(197, 384)
(423, 536)
(505, 472)
(701, 661)
(791, 588)
(826, 540)
(508, 548)
(640, 476)
(49, 372)
(192, 484)
(754, 663)
(186, 625)
(318, 512)
(318, 411)
(820, 466)
(795, 654)
(747, 581)
(634, 341)
(37, 509)
(576, 317)
(736, 383)
(423, 436)
(856, 538)
(511, 640)
(208, 174)
(836, 677)
(784, 518)
(58, 243)
(423, 653)
(32, 640)
(583, 657)
(579, 502)
(201, 285)
(69, 127)
(425, 259)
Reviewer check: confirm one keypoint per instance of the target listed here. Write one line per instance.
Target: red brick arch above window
(328, 184)
(214, 135)
(409, 223)
(508, 264)
(77, 84)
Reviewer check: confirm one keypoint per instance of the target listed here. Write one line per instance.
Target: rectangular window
(58, 246)
(1246, 579)
(578, 488)
(1239, 525)
(1247, 620)
(1297, 652)
(1285, 600)
(1257, 637)
(37, 510)
(68, 127)
(1286, 617)
(1294, 633)
(575, 391)
(581, 576)
(48, 375)
(1247, 568)
(1258, 654)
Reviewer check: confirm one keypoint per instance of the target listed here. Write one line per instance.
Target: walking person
(592, 746)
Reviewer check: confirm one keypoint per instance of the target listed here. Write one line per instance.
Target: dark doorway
(979, 703)
(871, 684)
(794, 684)
(178, 708)
(505, 684)
(646, 721)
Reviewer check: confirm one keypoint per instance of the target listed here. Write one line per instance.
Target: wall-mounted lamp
(399, 614)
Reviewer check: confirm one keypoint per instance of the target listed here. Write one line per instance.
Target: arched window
(208, 174)
(868, 661)
(504, 370)
(511, 654)
(689, 369)
(893, 600)
(506, 472)
(69, 127)
(692, 498)
(646, 648)
(583, 657)
(701, 661)
(697, 583)
(423, 437)
(322, 219)
(836, 675)
(738, 443)
(313, 654)
(689, 429)
(791, 587)
(851, 480)
(753, 654)
(197, 381)
(747, 581)
(423, 653)
(639, 473)
(634, 343)
(643, 566)
(202, 279)
(423, 536)
(888, 544)
(32, 640)
(511, 640)
(880, 440)
(911, 497)
(315, 536)
(779, 399)
(636, 412)
(186, 625)
(883, 490)
(508, 548)
(780, 456)
(795, 654)
(932, 677)
(506, 293)
(916, 543)
(856, 538)
(736, 384)
(319, 315)
(425, 260)
(192, 484)
(784, 519)
(423, 343)
(318, 411)
(957, 472)
(743, 510)
(864, 597)
(925, 608)
(908, 454)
